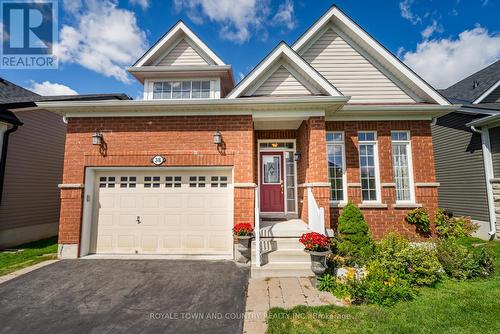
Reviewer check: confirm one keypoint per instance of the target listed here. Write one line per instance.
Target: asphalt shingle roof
(13, 96)
(472, 87)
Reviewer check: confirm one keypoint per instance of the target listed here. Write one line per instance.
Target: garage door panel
(128, 201)
(178, 214)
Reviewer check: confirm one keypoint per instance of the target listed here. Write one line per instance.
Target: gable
(284, 72)
(348, 70)
(394, 69)
(182, 54)
(179, 46)
(281, 82)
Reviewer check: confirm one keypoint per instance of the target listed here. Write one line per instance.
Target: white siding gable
(350, 72)
(282, 82)
(182, 54)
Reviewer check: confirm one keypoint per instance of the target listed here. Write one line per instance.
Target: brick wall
(184, 141)
(388, 219)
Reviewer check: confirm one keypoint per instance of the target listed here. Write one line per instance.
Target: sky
(442, 40)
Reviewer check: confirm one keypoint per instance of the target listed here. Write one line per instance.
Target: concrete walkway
(288, 292)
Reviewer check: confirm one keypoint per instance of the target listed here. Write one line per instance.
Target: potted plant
(243, 232)
(318, 247)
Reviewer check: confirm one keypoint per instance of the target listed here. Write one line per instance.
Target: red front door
(271, 182)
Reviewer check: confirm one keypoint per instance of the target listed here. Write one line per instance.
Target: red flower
(314, 241)
(243, 229)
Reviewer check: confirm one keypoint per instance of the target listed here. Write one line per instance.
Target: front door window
(272, 169)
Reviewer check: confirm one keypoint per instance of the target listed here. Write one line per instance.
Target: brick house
(333, 118)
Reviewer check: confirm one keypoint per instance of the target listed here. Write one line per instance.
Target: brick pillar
(70, 222)
(312, 168)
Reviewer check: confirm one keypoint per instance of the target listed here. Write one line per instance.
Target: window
(218, 181)
(401, 162)
(167, 90)
(368, 164)
(173, 181)
(127, 181)
(107, 182)
(290, 181)
(272, 169)
(151, 182)
(197, 181)
(335, 149)
(280, 145)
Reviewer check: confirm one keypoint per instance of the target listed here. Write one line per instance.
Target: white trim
(372, 205)
(285, 195)
(282, 50)
(179, 27)
(344, 166)
(410, 165)
(156, 257)
(337, 16)
(488, 92)
(489, 174)
(378, 191)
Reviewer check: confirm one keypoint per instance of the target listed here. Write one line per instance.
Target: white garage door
(163, 212)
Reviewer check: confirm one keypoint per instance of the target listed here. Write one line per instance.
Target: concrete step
(272, 244)
(289, 228)
(292, 269)
(283, 256)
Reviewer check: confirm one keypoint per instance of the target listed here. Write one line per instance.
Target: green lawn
(33, 253)
(452, 307)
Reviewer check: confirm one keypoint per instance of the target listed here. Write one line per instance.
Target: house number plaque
(158, 160)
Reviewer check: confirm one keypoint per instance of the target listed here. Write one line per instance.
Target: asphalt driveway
(133, 296)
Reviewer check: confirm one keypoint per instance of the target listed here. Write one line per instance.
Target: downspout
(488, 171)
(3, 158)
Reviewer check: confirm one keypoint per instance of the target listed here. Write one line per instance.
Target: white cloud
(443, 62)
(104, 38)
(143, 3)
(284, 15)
(72, 6)
(407, 13)
(431, 29)
(48, 88)
(238, 19)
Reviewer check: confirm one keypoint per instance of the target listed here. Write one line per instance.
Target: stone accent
(495, 184)
(67, 251)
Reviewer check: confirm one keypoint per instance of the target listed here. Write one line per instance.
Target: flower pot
(243, 249)
(318, 261)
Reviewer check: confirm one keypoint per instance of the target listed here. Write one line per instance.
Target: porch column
(312, 169)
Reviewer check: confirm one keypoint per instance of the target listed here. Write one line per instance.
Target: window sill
(407, 205)
(372, 206)
(335, 204)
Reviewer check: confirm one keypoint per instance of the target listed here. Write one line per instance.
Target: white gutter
(488, 171)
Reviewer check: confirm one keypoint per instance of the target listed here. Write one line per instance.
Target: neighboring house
(467, 149)
(31, 164)
(333, 118)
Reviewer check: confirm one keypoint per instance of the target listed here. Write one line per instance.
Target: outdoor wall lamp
(97, 138)
(217, 137)
(296, 156)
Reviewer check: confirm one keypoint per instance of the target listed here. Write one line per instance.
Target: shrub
(242, 229)
(316, 242)
(420, 219)
(326, 282)
(460, 263)
(417, 265)
(354, 237)
(453, 227)
(381, 287)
